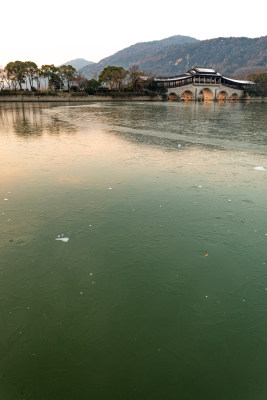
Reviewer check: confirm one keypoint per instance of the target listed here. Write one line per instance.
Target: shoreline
(93, 98)
(75, 99)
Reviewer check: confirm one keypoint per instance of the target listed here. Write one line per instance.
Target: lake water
(133, 251)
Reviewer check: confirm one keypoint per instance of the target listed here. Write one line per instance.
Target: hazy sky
(56, 31)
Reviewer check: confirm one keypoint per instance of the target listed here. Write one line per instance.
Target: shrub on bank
(46, 93)
(107, 92)
(79, 94)
(9, 92)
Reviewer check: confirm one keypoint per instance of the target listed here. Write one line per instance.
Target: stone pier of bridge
(193, 92)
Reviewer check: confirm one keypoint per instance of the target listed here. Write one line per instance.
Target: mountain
(139, 53)
(78, 63)
(233, 56)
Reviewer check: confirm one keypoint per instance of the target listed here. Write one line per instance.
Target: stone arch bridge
(202, 84)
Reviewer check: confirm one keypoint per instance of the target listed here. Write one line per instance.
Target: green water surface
(133, 251)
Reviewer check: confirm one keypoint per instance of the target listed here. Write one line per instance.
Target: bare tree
(134, 75)
(3, 78)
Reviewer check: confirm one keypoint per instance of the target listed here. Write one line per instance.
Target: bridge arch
(205, 94)
(234, 97)
(188, 95)
(223, 95)
(173, 96)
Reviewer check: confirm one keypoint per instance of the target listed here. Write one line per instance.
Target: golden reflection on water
(36, 144)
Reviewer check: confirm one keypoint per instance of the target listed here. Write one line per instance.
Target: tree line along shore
(25, 78)
(21, 77)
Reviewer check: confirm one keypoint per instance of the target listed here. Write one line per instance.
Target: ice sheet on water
(260, 168)
(63, 239)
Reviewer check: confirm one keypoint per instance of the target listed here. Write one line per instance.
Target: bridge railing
(179, 85)
(232, 86)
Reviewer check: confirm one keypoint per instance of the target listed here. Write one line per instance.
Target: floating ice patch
(260, 168)
(63, 239)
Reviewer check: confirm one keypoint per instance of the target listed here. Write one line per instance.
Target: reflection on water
(26, 120)
(158, 288)
(242, 123)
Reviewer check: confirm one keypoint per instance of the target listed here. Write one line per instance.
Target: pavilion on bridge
(202, 76)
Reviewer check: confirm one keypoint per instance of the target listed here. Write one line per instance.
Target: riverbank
(92, 98)
(74, 99)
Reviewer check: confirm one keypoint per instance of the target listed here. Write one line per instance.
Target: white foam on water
(260, 168)
(63, 239)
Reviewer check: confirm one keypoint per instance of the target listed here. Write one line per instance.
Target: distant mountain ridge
(139, 53)
(232, 56)
(78, 63)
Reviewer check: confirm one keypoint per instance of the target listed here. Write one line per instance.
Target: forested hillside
(235, 57)
(140, 53)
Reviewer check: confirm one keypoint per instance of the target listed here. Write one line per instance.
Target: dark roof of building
(201, 71)
(173, 78)
(196, 70)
